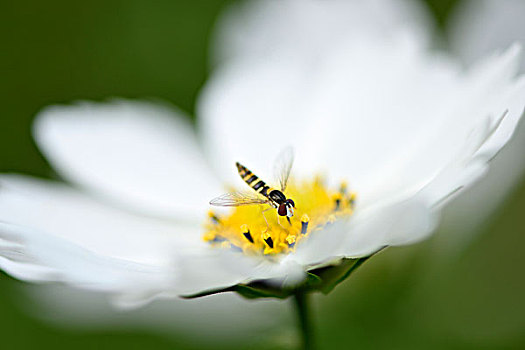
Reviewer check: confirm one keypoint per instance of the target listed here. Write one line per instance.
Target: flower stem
(305, 325)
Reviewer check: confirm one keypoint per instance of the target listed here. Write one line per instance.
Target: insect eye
(291, 202)
(282, 210)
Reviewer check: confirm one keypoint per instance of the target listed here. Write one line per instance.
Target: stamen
(337, 200)
(304, 224)
(268, 239)
(214, 218)
(246, 232)
(217, 239)
(209, 236)
(351, 200)
(343, 188)
(290, 239)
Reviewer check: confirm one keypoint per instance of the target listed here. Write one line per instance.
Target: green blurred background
(410, 298)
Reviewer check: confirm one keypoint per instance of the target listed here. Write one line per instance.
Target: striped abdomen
(253, 180)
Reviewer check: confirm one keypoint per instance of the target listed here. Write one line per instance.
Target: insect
(264, 194)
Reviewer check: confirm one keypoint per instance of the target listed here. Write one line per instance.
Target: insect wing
(235, 199)
(283, 167)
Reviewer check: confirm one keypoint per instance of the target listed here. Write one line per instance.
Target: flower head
(256, 230)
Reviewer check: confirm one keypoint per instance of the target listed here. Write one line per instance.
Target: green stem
(305, 325)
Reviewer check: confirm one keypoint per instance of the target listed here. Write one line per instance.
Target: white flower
(363, 101)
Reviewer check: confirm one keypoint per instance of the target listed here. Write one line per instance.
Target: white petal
(35, 256)
(250, 113)
(467, 213)
(419, 125)
(405, 221)
(56, 209)
(365, 109)
(400, 222)
(216, 268)
(263, 101)
(220, 319)
(87, 236)
(408, 220)
(475, 128)
(436, 172)
(375, 104)
(477, 28)
(140, 155)
(310, 27)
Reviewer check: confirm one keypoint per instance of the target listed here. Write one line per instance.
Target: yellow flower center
(255, 230)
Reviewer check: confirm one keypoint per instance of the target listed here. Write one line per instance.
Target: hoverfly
(264, 193)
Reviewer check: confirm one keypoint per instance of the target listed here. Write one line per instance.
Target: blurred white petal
(487, 106)
(476, 29)
(311, 28)
(282, 64)
(223, 317)
(137, 154)
(377, 103)
(250, 107)
(35, 256)
(385, 106)
(66, 213)
(87, 250)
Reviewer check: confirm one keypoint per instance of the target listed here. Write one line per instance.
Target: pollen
(259, 230)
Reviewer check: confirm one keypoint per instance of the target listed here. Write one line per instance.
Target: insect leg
(264, 216)
(279, 222)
